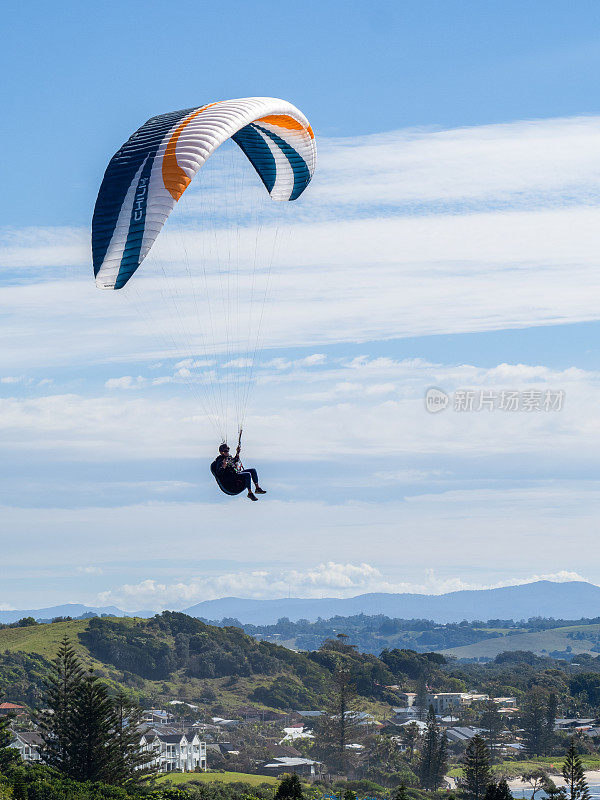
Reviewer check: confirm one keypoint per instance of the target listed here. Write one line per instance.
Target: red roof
(9, 706)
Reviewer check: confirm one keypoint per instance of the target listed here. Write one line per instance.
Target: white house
(174, 751)
(29, 745)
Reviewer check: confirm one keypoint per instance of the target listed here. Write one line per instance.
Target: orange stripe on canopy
(287, 122)
(174, 177)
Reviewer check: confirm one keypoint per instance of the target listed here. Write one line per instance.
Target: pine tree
(94, 722)
(340, 726)
(434, 758)
(421, 698)
(290, 788)
(477, 770)
(551, 714)
(492, 722)
(399, 793)
(131, 763)
(572, 771)
(534, 725)
(441, 761)
(56, 722)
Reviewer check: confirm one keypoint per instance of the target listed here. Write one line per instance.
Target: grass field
(514, 769)
(540, 642)
(216, 777)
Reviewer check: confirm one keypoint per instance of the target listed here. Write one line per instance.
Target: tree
(8, 755)
(539, 780)
(492, 722)
(498, 791)
(56, 722)
(94, 724)
(421, 698)
(477, 770)
(434, 758)
(551, 714)
(410, 734)
(399, 793)
(572, 771)
(131, 763)
(340, 726)
(290, 788)
(534, 725)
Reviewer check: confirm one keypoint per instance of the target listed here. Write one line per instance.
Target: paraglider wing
(147, 176)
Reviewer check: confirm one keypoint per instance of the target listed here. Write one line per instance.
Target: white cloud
(12, 379)
(90, 570)
(126, 382)
(360, 407)
(329, 579)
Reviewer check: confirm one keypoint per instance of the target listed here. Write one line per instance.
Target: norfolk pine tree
(94, 720)
(432, 766)
(56, 722)
(477, 769)
(573, 773)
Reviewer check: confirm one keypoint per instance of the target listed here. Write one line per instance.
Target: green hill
(176, 656)
(573, 638)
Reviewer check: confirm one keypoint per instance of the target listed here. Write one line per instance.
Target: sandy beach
(592, 777)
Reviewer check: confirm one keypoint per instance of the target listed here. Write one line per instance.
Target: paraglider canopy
(148, 175)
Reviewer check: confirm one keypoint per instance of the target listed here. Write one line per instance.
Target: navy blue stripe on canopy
(297, 163)
(258, 153)
(141, 147)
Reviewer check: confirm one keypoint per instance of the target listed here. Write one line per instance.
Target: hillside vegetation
(173, 655)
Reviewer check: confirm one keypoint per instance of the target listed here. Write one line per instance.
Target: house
(505, 701)
(462, 734)
(29, 744)
(296, 732)
(443, 702)
(225, 723)
(408, 697)
(309, 715)
(156, 716)
(13, 709)
(573, 724)
(403, 714)
(174, 752)
(301, 766)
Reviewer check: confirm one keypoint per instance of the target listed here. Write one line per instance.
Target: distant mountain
(571, 600)
(66, 610)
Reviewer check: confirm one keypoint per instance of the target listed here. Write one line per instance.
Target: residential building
(174, 752)
(29, 744)
(462, 734)
(301, 766)
(13, 709)
(444, 702)
(574, 724)
(157, 716)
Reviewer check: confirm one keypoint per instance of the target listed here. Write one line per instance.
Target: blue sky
(449, 239)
